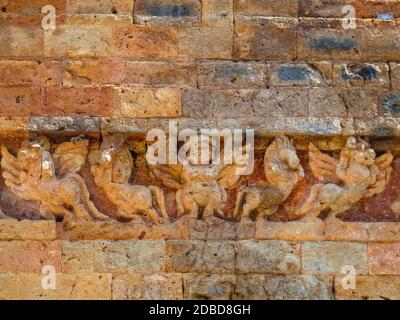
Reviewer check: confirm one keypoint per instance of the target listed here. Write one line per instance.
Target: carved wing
(383, 167)
(14, 175)
(228, 176)
(169, 175)
(322, 166)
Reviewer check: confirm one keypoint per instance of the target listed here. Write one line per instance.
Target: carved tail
(239, 204)
(94, 212)
(159, 194)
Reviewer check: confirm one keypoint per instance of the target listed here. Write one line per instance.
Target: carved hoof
(333, 220)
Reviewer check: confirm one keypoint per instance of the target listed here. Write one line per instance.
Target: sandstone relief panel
(82, 180)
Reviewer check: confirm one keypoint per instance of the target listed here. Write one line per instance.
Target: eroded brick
(384, 258)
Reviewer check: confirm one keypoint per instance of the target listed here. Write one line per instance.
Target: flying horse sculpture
(32, 176)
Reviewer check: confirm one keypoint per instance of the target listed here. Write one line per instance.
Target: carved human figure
(201, 188)
(357, 174)
(112, 167)
(32, 176)
(282, 170)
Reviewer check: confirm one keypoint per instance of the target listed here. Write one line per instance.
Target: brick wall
(125, 66)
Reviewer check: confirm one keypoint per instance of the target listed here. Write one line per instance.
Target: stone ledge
(128, 231)
(292, 231)
(363, 231)
(27, 230)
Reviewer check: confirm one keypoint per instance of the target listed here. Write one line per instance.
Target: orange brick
(17, 41)
(19, 101)
(29, 256)
(384, 258)
(145, 42)
(14, 73)
(93, 72)
(73, 101)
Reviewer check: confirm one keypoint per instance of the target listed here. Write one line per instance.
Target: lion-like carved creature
(282, 170)
(32, 176)
(357, 174)
(112, 167)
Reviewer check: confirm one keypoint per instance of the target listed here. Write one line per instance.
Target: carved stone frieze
(50, 175)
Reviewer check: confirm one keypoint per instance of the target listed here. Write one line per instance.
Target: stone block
(11, 229)
(77, 257)
(208, 286)
(383, 258)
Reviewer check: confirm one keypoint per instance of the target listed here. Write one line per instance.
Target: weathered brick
(81, 41)
(217, 13)
(77, 256)
(323, 8)
(130, 256)
(381, 9)
(395, 75)
(293, 74)
(265, 39)
(100, 6)
(285, 8)
(325, 39)
(147, 103)
(315, 125)
(276, 257)
(28, 7)
(29, 256)
(132, 231)
(28, 286)
(108, 20)
(17, 41)
(380, 126)
(27, 230)
(361, 75)
(380, 43)
(13, 128)
(160, 74)
(384, 258)
(289, 231)
(325, 102)
(200, 256)
(167, 12)
(289, 287)
(217, 229)
(226, 75)
(145, 42)
(360, 103)
(14, 73)
(369, 288)
(93, 73)
(389, 104)
(205, 42)
(208, 286)
(20, 101)
(331, 257)
(167, 286)
(65, 125)
(72, 101)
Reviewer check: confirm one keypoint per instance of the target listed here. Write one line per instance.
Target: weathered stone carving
(357, 174)
(112, 167)
(49, 175)
(200, 187)
(282, 170)
(34, 175)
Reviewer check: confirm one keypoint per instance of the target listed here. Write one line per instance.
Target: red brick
(145, 42)
(29, 256)
(17, 41)
(76, 101)
(14, 73)
(384, 258)
(19, 101)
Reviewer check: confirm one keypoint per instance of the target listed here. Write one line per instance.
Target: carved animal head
(281, 164)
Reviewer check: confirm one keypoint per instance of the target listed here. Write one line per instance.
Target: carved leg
(81, 213)
(208, 210)
(311, 208)
(153, 215)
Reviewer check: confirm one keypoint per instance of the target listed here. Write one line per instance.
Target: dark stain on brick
(326, 43)
(169, 11)
(293, 73)
(365, 73)
(383, 132)
(392, 103)
(227, 72)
